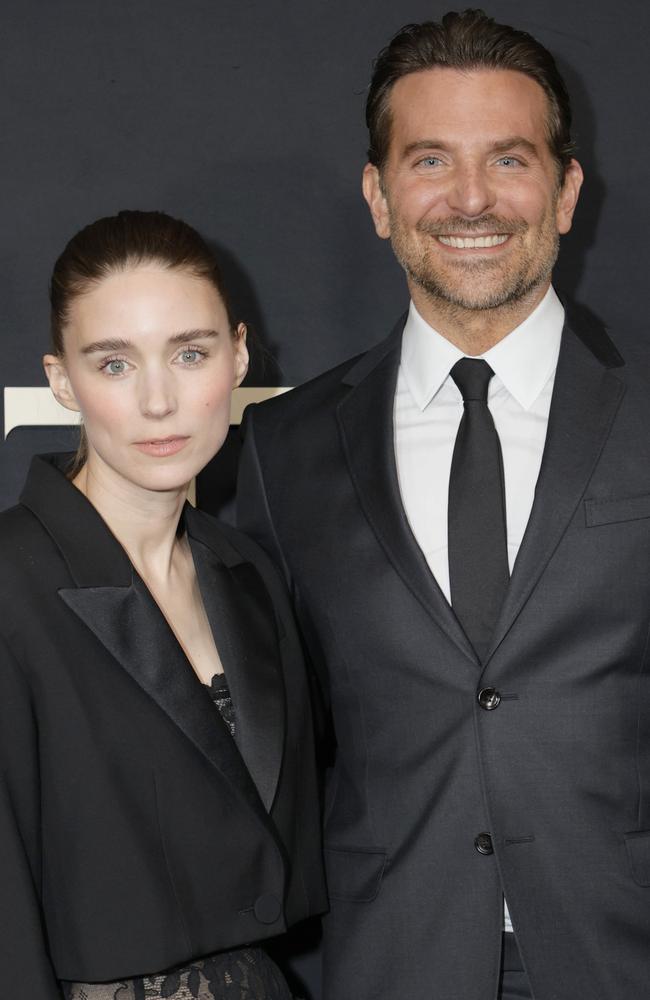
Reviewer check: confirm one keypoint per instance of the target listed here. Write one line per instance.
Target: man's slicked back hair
(466, 40)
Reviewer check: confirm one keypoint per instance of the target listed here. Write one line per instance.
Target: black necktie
(478, 552)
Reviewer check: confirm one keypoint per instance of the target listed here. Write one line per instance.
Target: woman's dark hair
(466, 40)
(119, 243)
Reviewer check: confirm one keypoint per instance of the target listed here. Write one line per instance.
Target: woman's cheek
(216, 394)
(102, 410)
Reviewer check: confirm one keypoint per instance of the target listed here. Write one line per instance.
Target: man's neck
(474, 331)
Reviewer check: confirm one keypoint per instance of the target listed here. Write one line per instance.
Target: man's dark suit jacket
(134, 834)
(557, 774)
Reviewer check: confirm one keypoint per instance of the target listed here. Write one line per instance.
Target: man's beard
(482, 282)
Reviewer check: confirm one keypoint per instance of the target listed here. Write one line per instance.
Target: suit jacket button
(489, 698)
(483, 844)
(267, 908)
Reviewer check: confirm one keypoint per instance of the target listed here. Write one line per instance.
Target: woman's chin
(159, 476)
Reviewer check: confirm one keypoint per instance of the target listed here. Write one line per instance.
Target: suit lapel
(242, 619)
(587, 392)
(366, 422)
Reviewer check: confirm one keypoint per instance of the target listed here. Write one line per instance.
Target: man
(463, 514)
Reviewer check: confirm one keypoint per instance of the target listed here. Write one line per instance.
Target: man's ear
(376, 199)
(241, 355)
(57, 376)
(568, 196)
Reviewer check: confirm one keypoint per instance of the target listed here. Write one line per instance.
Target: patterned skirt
(244, 974)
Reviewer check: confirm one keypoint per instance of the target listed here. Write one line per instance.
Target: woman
(142, 845)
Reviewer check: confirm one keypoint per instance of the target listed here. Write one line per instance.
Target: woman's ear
(57, 376)
(241, 354)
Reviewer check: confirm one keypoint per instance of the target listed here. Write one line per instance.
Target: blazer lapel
(127, 621)
(366, 422)
(242, 618)
(587, 392)
(114, 603)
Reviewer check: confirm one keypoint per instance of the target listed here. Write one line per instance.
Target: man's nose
(471, 192)
(157, 395)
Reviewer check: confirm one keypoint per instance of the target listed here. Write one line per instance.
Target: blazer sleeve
(25, 967)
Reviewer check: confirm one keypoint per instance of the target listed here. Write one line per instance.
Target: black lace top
(243, 974)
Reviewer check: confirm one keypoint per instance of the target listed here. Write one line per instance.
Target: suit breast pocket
(616, 510)
(638, 853)
(354, 874)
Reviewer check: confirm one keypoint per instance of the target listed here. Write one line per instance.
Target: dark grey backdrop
(245, 117)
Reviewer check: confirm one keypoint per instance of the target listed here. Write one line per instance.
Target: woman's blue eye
(190, 357)
(116, 367)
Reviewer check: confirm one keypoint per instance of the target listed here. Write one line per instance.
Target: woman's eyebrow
(112, 344)
(184, 335)
(119, 344)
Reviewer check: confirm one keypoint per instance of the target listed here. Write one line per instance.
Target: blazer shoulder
(21, 533)
(31, 564)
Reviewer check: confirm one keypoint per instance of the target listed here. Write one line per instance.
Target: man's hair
(466, 40)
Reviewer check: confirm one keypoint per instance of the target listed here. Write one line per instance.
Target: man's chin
(471, 300)
(466, 295)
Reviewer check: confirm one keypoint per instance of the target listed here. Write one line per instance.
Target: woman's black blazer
(134, 833)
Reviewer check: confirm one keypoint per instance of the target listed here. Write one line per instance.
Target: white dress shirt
(428, 410)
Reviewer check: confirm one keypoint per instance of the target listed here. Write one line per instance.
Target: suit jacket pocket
(619, 509)
(638, 852)
(354, 874)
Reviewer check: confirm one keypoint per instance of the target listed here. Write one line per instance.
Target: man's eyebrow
(516, 142)
(512, 142)
(119, 344)
(422, 144)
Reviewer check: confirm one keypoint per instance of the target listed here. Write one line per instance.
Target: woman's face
(150, 361)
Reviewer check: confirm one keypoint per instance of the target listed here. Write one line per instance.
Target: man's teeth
(466, 242)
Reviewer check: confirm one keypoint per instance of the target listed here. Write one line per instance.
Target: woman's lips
(162, 447)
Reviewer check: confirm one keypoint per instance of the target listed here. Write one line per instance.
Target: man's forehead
(446, 93)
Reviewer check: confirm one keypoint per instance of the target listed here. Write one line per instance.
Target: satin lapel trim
(128, 622)
(585, 400)
(366, 422)
(242, 619)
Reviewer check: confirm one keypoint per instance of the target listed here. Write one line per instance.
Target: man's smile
(471, 242)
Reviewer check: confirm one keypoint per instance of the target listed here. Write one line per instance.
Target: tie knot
(472, 376)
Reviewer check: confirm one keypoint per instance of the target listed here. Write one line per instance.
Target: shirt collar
(523, 361)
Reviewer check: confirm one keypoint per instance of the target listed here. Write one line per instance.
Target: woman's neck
(145, 522)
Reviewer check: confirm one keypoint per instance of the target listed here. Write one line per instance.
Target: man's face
(470, 195)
